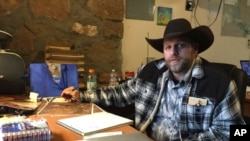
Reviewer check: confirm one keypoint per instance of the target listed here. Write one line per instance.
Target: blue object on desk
(46, 85)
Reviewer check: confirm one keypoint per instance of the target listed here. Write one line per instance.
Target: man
(180, 97)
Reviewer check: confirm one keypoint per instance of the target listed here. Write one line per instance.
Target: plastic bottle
(91, 81)
(113, 81)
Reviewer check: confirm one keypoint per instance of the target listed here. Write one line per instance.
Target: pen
(69, 96)
(75, 88)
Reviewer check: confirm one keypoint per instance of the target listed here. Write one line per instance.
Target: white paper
(104, 134)
(92, 123)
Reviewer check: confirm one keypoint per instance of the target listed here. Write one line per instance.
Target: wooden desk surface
(55, 111)
(61, 133)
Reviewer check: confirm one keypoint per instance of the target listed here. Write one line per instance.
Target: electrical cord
(216, 17)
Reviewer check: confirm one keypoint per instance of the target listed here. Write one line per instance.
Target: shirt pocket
(199, 117)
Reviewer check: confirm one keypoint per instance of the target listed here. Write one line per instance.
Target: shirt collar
(197, 71)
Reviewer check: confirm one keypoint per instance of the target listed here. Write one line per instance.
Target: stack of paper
(92, 123)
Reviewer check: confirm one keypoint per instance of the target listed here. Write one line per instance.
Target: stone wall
(92, 26)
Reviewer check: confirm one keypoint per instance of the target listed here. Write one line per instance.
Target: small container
(113, 81)
(91, 81)
(129, 75)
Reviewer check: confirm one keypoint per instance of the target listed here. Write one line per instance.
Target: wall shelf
(66, 55)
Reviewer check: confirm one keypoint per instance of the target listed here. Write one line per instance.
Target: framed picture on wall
(140, 9)
(164, 15)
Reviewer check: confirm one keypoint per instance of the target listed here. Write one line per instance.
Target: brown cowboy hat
(202, 34)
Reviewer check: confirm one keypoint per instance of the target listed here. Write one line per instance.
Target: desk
(247, 105)
(55, 111)
(63, 134)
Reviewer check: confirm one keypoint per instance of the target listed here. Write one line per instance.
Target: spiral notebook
(20, 128)
(92, 123)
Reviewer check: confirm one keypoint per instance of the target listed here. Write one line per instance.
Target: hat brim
(202, 34)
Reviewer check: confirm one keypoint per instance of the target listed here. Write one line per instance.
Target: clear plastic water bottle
(91, 81)
(113, 81)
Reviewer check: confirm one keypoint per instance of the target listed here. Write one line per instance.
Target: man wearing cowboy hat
(179, 97)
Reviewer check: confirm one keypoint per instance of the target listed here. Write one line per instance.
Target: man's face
(179, 54)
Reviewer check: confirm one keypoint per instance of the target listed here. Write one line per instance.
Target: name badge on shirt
(197, 101)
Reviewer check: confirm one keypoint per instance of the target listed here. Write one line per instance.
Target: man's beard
(182, 67)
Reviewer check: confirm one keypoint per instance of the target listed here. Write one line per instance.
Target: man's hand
(71, 94)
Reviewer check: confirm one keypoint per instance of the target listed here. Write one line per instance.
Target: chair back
(240, 78)
(12, 70)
